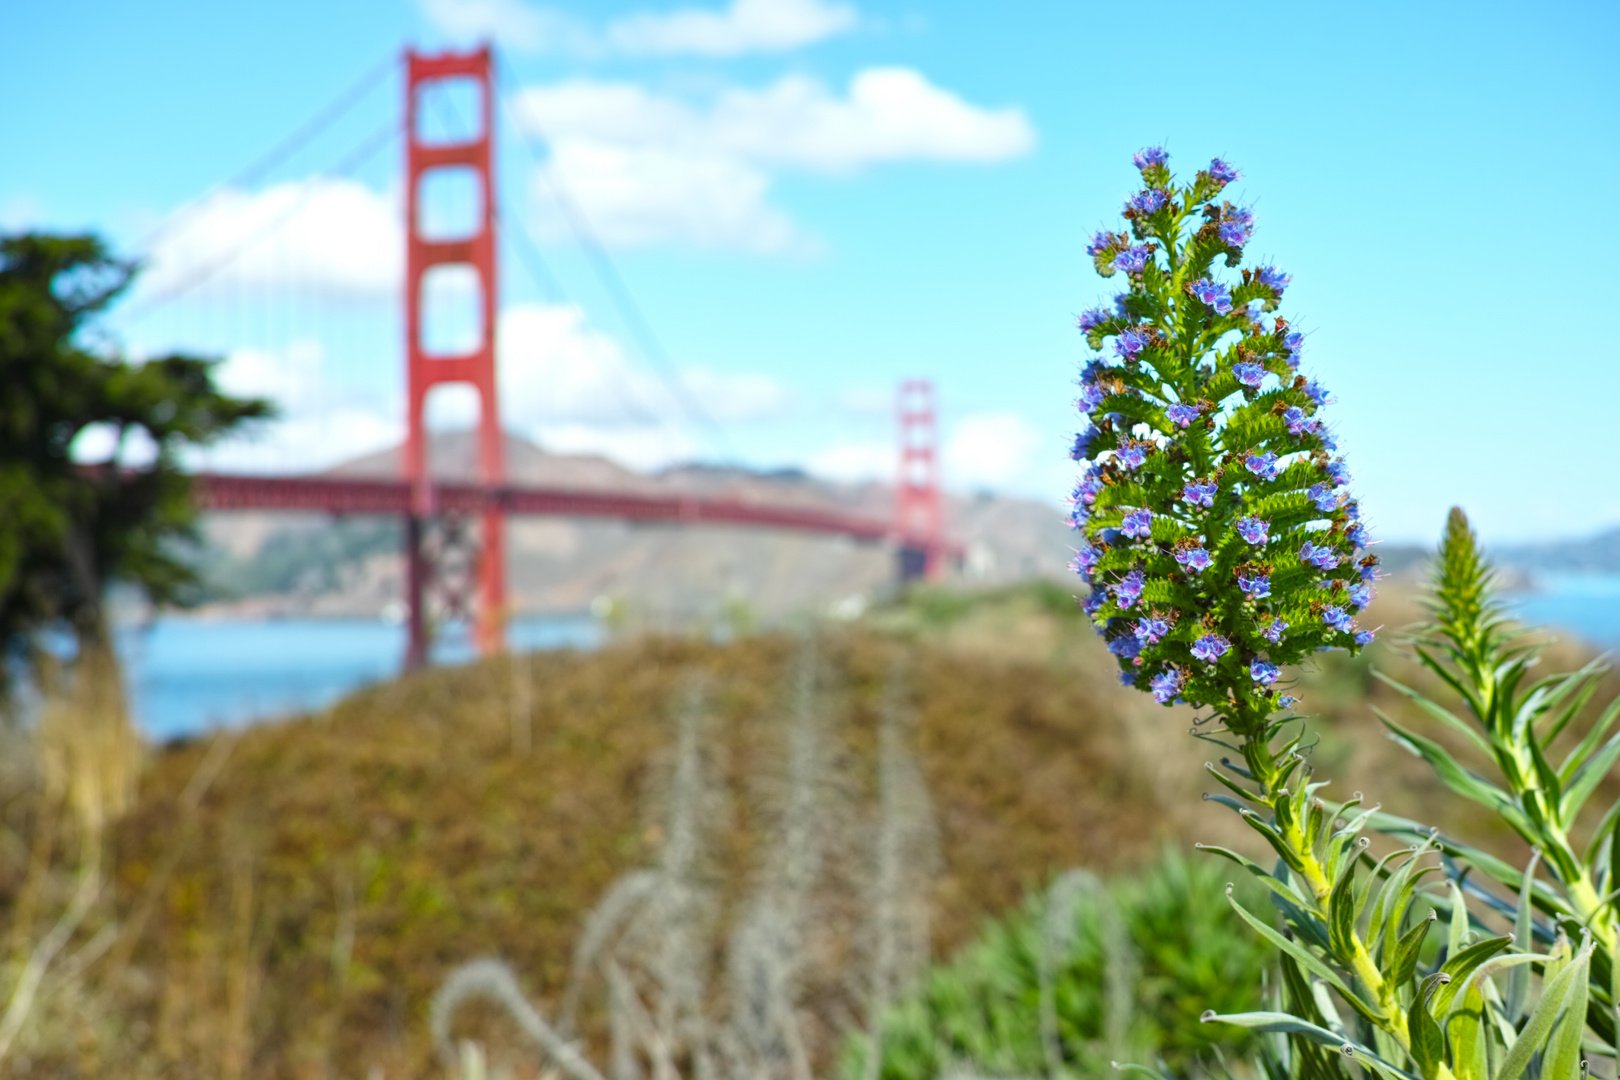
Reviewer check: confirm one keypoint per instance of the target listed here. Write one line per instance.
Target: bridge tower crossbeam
(426, 524)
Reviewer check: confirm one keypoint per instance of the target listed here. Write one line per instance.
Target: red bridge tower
(463, 576)
(919, 518)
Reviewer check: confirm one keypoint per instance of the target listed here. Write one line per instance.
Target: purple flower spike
(1365, 637)
(1150, 200)
(1092, 318)
(1262, 465)
(1294, 417)
(1138, 523)
(1166, 685)
(1253, 529)
(1210, 648)
(1263, 672)
(1195, 559)
(1151, 629)
(1360, 595)
(1273, 631)
(1249, 374)
(1338, 618)
(1133, 259)
(1213, 293)
(1274, 279)
(1255, 584)
(1222, 173)
(1132, 341)
(1200, 493)
(1153, 155)
(1182, 415)
(1129, 590)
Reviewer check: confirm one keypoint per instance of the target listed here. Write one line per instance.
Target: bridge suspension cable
(613, 282)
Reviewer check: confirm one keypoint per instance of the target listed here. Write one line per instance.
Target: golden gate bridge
(451, 527)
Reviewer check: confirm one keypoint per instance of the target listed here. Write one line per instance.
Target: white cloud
(648, 168)
(636, 196)
(745, 26)
(316, 426)
(333, 237)
(990, 450)
(854, 462)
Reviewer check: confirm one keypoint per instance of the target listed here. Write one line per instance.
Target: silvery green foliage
(1218, 546)
(648, 947)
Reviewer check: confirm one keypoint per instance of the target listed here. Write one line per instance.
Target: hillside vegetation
(284, 901)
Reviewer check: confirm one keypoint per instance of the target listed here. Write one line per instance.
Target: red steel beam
(335, 495)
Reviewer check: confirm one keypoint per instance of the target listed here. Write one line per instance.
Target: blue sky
(813, 199)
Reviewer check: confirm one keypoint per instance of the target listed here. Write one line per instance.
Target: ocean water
(1583, 605)
(189, 675)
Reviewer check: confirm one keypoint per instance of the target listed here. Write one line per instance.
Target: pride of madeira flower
(1217, 537)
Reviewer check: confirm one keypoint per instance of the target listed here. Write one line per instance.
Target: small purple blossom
(1149, 201)
(1079, 514)
(1262, 465)
(1222, 173)
(1151, 628)
(1273, 631)
(1094, 602)
(1339, 472)
(1138, 523)
(1296, 420)
(1318, 555)
(1357, 534)
(1256, 584)
(1361, 595)
(1325, 498)
(1249, 374)
(1199, 493)
(1316, 392)
(1195, 559)
(1213, 293)
(1166, 685)
(1263, 672)
(1125, 646)
(1132, 341)
(1182, 415)
(1119, 305)
(1080, 449)
(1101, 241)
(1127, 678)
(1273, 279)
(1091, 396)
(1236, 227)
(1287, 701)
(1129, 590)
(1133, 258)
(1294, 342)
(1365, 637)
(1338, 618)
(1253, 529)
(1085, 560)
(1131, 455)
(1369, 571)
(1092, 318)
(1210, 648)
(1086, 490)
(1153, 155)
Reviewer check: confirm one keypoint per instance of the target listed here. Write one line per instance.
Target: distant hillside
(1598, 554)
(311, 564)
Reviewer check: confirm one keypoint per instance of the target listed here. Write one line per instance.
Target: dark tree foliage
(68, 530)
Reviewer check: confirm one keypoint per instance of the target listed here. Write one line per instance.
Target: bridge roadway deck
(338, 495)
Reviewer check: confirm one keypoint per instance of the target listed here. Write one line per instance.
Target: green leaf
(1562, 1060)
(1586, 780)
(1434, 709)
(1518, 987)
(1460, 966)
(1589, 741)
(1450, 773)
(1342, 912)
(1533, 1037)
(1428, 1047)
(1304, 958)
(1407, 949)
